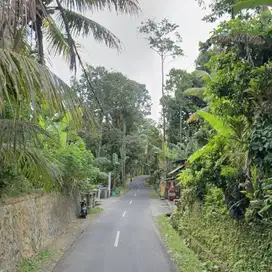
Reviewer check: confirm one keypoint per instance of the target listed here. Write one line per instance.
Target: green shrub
(185, 259)
(238, 246)
(35, 264)
(13, 183)
(76, 163)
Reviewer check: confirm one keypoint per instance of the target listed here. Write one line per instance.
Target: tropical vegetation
(219, 120)
(59, 137)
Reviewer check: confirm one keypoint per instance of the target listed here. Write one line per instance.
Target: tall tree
(116, 117)
(165, 41)
(179, 105)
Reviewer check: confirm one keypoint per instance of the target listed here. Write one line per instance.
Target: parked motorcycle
(83, 209)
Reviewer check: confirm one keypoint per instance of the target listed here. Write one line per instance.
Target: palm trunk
(39, 36)
(3, 35)
(248, 183)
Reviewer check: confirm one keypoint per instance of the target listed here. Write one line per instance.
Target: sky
(137, 61)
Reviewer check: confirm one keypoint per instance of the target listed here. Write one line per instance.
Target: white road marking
(130, 202)
(124, 213)
(135, 194)
(117, 239)
(138, 190)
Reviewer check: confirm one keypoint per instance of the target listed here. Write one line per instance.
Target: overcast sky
(137, 61)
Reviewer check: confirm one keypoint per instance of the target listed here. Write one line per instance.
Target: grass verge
(123, 189)
(36, 263)
(185, 259)
(95, 210)
(153, 193)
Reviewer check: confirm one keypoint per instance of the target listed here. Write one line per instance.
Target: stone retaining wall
(31, 223)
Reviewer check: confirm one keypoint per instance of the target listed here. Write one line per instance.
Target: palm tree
(22, 69)
(60, 22)
(27, 87)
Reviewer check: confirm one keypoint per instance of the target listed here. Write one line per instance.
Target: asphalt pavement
(122, 239)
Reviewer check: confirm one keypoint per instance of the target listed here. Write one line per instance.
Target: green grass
(153, 193)
(185, 259)
(95, 210)
(124, 189)
(231, 245)
(35, 264)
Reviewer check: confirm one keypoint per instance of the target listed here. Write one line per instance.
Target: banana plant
(199, 93)
(233, 128)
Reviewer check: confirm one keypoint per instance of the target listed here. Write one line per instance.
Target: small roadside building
(170, 188)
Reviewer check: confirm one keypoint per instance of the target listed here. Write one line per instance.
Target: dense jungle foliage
(59, 137)
(219, 119)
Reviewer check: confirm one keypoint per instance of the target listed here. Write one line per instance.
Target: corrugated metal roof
(175, 170)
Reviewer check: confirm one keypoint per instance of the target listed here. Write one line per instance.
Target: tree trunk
(232, 10)
(3, 35)
(39, 37)
(100, 138)
(164, 120)
(180, 124)
(248, 183)
(163, 107)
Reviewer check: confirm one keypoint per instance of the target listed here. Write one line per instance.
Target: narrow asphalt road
(121, 239)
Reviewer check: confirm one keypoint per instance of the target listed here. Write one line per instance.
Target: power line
(80, 61)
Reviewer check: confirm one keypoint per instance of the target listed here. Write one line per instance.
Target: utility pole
(109, 183)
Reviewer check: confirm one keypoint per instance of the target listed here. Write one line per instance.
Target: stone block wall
(31, 223)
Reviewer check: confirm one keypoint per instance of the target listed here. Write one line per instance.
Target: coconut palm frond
(59, 44)
(23, 79)
(124, 6)
(32, 164)
(14, 132)
(81, 25)
(198, 92)
(19, 145)
(79, 5)
(36, 167)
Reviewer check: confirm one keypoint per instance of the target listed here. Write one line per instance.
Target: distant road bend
(122, 239)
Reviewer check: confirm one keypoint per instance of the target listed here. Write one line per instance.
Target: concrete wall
(31, 223)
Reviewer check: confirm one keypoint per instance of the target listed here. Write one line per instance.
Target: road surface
(122, 239)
